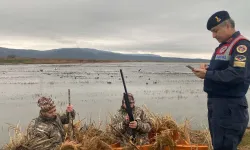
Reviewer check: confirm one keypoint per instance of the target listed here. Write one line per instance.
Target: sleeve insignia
(240, 58)
(239, 64)
(241, 49)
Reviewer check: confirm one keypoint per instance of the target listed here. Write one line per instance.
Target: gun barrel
(128, 108)
(71, 130)
(69, 96)
(123, 81)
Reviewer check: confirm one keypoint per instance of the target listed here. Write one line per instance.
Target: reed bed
(165, 132)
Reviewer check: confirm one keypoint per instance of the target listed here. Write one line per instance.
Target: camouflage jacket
(47, 134)
(142, 130)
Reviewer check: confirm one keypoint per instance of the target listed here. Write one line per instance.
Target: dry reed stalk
(165, 129)
(89, 137)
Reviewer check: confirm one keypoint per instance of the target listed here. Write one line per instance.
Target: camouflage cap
(130, 97)
(45, 104)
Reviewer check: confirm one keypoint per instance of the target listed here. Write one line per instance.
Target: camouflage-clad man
(47, 130)
(141, 125)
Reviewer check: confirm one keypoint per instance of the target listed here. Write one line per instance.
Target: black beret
(217, 18)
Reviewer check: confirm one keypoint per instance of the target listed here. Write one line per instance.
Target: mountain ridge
(89, 53)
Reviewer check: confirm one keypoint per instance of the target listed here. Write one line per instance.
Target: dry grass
(168, 133)
(245, 143)
(89, 137)
(165, 132)
(19, 140)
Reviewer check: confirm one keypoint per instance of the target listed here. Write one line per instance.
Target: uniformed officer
(226, 82)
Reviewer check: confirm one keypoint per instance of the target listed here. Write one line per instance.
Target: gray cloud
(160, 26)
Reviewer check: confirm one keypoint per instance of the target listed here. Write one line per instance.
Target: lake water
(96, 91)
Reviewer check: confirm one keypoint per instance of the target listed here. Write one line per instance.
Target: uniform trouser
(228, 119)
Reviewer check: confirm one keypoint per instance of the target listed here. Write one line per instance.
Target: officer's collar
(235, 35)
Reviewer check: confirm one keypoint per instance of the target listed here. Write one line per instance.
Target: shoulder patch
(241, 49)
(240, 58)
(239, 64)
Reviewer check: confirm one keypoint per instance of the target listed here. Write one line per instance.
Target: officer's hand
(201, 73)
(69, 108)
(203, 66)
(133, 124)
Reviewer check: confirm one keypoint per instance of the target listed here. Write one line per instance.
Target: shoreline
(16, 61)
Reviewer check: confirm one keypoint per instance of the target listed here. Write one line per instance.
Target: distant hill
(87, 53)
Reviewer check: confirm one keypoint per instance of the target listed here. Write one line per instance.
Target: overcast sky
(165, 27)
